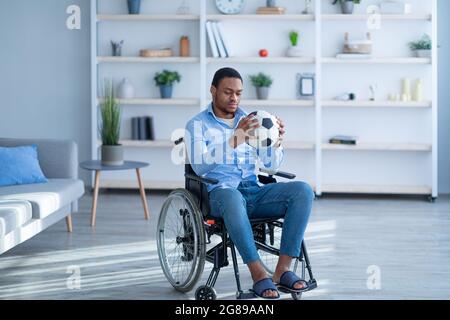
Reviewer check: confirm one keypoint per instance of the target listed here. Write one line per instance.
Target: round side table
(96, 165)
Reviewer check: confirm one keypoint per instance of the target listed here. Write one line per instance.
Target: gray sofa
(26, 210)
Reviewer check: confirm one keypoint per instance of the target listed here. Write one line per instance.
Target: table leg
(69, 223)
(94, 201)
(143, 197)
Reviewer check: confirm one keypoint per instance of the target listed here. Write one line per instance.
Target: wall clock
(230, 6)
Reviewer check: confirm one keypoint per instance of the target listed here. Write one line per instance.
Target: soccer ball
(266, 135)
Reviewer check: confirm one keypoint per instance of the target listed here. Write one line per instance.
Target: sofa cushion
(20, 165)
(45, 198)
(13, 214)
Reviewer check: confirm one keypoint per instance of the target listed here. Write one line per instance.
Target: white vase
(126, 90)
(294, 51)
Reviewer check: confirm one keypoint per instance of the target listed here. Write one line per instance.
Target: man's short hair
(225, 73)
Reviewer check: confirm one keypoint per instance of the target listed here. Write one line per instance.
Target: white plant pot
(423, 53)
(294, 51)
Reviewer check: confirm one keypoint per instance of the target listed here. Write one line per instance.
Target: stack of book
(350, 140)
(220, 46)
(142, 128)
(270, 10)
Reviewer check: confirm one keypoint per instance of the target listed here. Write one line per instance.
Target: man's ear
(213, 91)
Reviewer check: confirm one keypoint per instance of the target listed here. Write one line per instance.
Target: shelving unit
(397, 149)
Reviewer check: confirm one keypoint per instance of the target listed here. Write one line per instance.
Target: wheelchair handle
(201, 179)
(178, 141)
(281, 174)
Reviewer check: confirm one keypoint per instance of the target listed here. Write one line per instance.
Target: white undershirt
(230, 122)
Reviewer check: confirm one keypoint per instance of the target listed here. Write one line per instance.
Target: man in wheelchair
(217, 149)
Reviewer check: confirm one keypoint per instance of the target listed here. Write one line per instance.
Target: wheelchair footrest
(312, 284)
(245, 295)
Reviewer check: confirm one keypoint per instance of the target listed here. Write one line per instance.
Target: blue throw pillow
(20, 165)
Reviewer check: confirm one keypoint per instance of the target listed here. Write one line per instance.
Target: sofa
(28, 209)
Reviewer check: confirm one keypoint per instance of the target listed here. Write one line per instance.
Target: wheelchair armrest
(201, 179)
(281, 174)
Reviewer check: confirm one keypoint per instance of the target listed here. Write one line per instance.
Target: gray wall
(45, 72)
(45, 77)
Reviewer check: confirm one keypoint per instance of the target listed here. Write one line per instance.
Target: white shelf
(376, 189)
(281, 60)
(147, 143)
(157, 102)
(105, 59)
(264, 17)
(288, 145)
(199, 69)
(362, 17)
(377, 61)
(376, 104)
(146, 17)
(148, 184)
(413, 147)
(277, 103)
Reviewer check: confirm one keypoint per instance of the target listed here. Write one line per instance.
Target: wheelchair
(185, 227)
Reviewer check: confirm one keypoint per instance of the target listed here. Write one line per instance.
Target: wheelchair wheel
(272, 239)
(181, 240)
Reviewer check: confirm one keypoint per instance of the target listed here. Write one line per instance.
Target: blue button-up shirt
(211, 156)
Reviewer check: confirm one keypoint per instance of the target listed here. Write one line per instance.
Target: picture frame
(306, 86)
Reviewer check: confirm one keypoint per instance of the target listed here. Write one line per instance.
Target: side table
(96, 165)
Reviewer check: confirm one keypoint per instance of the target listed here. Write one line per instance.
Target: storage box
(358, 46)
(395, 7)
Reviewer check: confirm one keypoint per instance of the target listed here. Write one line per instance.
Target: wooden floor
(405, 241)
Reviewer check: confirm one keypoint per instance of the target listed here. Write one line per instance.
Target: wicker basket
(154, 53)
(359, 46)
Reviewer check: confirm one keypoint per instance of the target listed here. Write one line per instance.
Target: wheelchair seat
(185, 228)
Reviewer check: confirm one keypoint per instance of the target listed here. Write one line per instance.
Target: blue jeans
(290, 200)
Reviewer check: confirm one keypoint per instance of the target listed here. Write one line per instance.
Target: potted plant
(134, 6)
(422, 47)
(262, 82)
(165, 81)
(347, 6)
(293, 50)
(111, 150)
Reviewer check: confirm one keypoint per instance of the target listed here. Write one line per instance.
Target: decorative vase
(347, 7)
(126, 90)
(166, 91)
(184, 46)
(423, 53)
(116, 48)
(134, 6)
(112, 155)
(294, 51)
(271, 3)
(262, 93)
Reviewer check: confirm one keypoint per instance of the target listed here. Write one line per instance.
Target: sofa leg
(69, 223)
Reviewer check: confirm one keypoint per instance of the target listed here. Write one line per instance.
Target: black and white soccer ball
(266, 135)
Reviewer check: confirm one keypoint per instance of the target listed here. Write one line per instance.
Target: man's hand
(241, 133)
(282, 131)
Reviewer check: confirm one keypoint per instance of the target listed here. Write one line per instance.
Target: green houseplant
(165, 81)
(111, 150)
(262, 82)
(422, 47)
(293, 50)
(347, 6)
